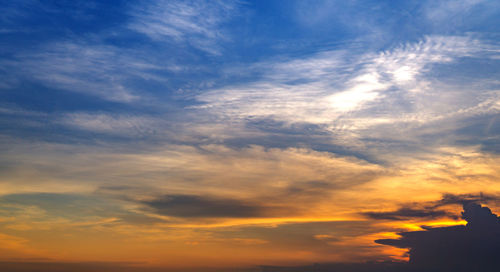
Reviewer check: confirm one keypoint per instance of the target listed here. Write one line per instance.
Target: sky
(217, 134)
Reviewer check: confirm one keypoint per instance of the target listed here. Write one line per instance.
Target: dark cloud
(471, 248)
(474, 247)
(430, 210)
(406, 213)
(205, 206)
(463, 199)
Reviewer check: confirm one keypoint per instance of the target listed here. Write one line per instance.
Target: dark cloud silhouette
(407, 212)
(463, 199)
(203, 206)
(474, 247)
(431, 209)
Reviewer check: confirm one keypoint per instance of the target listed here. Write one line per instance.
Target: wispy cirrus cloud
(457, 13)
(282, 133)
(355, 95)
(321, 88)
(197, 23)
(255, 173)
(120, 125)
(96, 70)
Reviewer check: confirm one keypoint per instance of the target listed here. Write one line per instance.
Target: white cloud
(365, 88)
(195, 22)
(120, 125)
(95, 70)
(347, 93)
(440, 11)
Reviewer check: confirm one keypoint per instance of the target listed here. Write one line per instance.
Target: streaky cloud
(209, 206)
(355, 98)
(196, 23)
(407, 212)
(97, 70)
(432, 209)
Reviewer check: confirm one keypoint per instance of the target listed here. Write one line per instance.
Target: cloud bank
(459, 248)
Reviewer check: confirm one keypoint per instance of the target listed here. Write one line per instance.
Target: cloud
(406, 213)
(69, 213)
(447, 15)
(431, 210)
(464, 199)
(473, 247)
(209, 206)
(361, 100)
(197, 23)
(87, 67)
(192, 178)
(16, 12)
(459, 248)
(121, 125)
(203, 143)
(324, 96)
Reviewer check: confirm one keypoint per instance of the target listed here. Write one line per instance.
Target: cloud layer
(178, 134)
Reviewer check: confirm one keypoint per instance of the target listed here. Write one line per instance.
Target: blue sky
(143, 106)
(168, 61)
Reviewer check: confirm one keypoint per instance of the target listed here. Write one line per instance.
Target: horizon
(193, 135)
